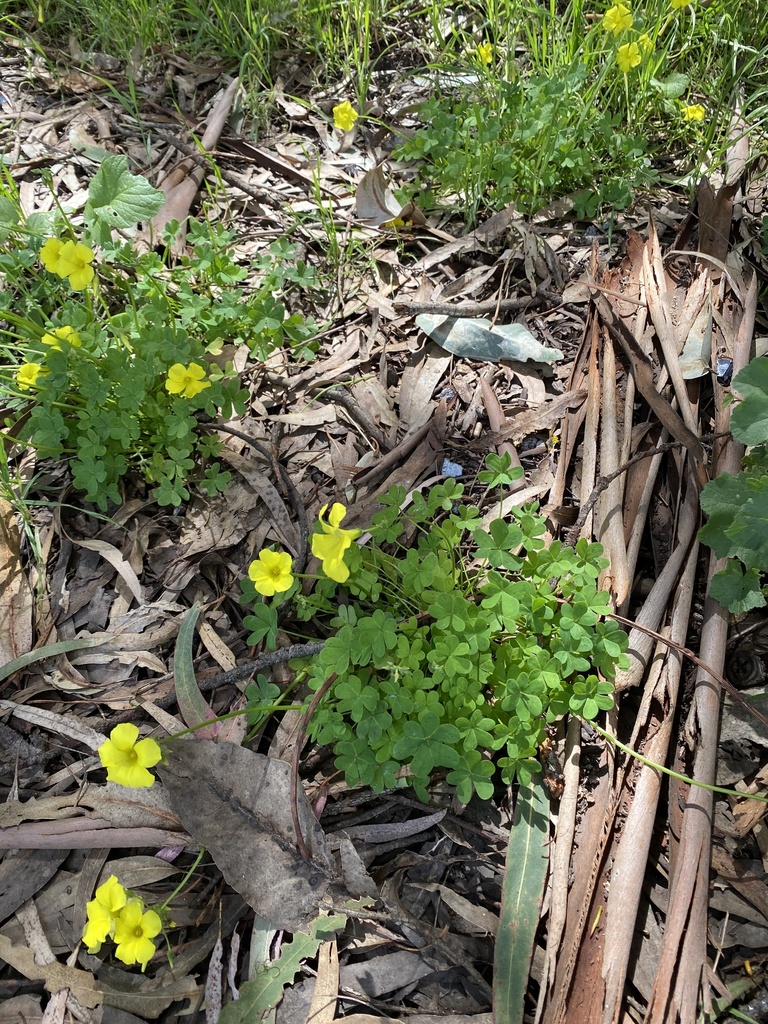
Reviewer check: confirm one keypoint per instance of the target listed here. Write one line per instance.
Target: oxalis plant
(451, 646)
(109, 358)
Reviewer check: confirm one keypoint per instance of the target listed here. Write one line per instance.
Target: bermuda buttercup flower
(485, 52)
(49, 255)
(101, 912)
(617, 19)
(74, 263)
(330, 545)
(645, 42)
(135, 928)
(677, 4)
(271, 572)
(187, 381)
(59, 334)
(27, 374)
(127, 758)
(344, 116)
(628, 56)
(694, 112)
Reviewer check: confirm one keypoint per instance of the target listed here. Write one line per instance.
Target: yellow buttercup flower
(127, 758)
(68, 334)
(694, 112)
(485, 52)
(271, 572)
(186, 380)
(617, 19)
(27, 374)
(677, 4)
(135, 928)
(330, 545)
(645, 41)
(49, 254)
(74, 263)
(628, 56)
(344, 116)
(101, 911)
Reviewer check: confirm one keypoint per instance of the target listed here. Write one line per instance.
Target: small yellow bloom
(694, 112)
(330, 545)
(74, 263)
(344, 116)
(677, 4)
(68, 334)
(485, 52)
(186, 380)
(628, 57)
(27, 374)
(271, 572)
(49, 255)
(134, 930)
(645, 41)
(127, 760)
(110, 898)
(617, 19)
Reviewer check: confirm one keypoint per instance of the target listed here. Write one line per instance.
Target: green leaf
(118, 198)
(749, 420)
(673, 86)
(737, 590)
(263, 625)
(266, 990)
(193, 707)
(527, 857)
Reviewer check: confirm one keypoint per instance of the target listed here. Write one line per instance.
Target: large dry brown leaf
(237, 804)
(15, 593)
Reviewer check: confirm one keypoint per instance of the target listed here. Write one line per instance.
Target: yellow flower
(617, 18)
(344, 116)
(110, 898)
(645, 41)
(68, 334)
(694, 112)
(27, 374)
(485, 52)
(677, 4)
(628, 57)
(127, 760)
(74, 263)
(330, 545)
(186, 380)
(134, 930)
(49, 255)
(271, 572)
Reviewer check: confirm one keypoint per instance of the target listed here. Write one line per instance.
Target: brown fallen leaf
(237, 804)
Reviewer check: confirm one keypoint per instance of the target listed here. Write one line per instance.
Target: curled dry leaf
(237, 804)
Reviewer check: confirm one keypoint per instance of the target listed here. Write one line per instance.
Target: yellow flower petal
(628, 56)
(617, 19)
(134, 930)
(74, 263)
(127, 760)
(694, 112)
(330, 545)
(271, 572)
(344, 116)
(27, 374)
(68, 334)
(49, 254)
(186, 381)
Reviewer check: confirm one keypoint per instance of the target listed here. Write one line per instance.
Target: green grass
(550, 114)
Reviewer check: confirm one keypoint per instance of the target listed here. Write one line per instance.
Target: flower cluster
(618, 19)
(272, 572)
(127, 758)
(70, 260)
(115, 914)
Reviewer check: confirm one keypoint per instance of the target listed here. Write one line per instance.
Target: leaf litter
(397, 907)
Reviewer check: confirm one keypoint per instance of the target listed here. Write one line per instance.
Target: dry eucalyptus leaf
(237, 804)
(477, 338)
